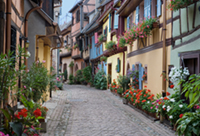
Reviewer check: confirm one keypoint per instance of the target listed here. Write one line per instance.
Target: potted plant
(101, 38)
(110, 45)
(75, 46)
(103, 58)
(177, 4)
(144, 77)
(121, 42)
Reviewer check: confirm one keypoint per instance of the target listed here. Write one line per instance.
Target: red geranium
(37, 113)
(168, 93)
(144, 101)
(171, 86)
(181, 115)
(165, 98)
(145, 86)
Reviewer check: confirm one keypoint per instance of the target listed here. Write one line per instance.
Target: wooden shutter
(127, 24)
(137, 15)
(141, 72)
(133, 67)
(118, 65)
(159, 8)
(116, 19)
(110, 22)
(96, 37)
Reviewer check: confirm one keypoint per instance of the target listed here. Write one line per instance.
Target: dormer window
(77, 16)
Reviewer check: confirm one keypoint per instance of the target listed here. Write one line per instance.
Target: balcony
(76, 54)
(65, 52)
(86, 54)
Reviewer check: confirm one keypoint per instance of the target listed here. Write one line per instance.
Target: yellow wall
(106, 23)
(113, 60)
(153, 60)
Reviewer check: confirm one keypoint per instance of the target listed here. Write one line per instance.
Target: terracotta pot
(125, 101)
(155, 25)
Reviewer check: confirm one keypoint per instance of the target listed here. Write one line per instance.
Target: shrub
(71, 64)
(87, 74)
(35, 81)
(78, 78)
(100, 81)
(65, 74)
(123, 82)
(71, 79)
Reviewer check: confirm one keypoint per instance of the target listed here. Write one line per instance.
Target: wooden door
(110, 73)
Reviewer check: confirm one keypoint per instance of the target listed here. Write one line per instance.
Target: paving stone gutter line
(58, 114)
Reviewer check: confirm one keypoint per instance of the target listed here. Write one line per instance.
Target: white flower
(28, 55)
(163, 106)
(171, 117)
(134, 93)
(148, 102)
(168, 109)
(180, 105)
(172, 100)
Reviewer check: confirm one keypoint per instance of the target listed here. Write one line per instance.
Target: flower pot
(155, 25)
(125, 101)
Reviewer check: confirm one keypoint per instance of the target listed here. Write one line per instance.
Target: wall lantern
(27, 43)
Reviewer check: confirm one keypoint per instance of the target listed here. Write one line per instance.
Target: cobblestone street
(83, 111)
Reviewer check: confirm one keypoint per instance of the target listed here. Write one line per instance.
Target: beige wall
(67, 60)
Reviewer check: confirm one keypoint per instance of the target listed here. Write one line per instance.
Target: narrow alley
(82, 111)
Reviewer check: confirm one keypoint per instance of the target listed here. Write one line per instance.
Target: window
(116, 19)
(13, 43)
(129, 21)
(77, 16)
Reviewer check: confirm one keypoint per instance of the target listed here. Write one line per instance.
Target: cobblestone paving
(84, 111)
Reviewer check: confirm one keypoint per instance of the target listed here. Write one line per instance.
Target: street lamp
(27, 44)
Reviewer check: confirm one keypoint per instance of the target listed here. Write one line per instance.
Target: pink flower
(24, 87)
(37, 61)
(151, 107)
(43, 61)
(156, 107)
(27, 70)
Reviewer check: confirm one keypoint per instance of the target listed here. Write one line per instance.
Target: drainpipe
(8, 25)
(50, 35)
(2, 20)
(123, 63)
(164, 54)
(26, 27)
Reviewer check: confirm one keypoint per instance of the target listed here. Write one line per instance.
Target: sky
(66, 6)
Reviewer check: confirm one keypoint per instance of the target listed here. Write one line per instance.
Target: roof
(104, 3)
(75, 6)
(65, 25)
(91, 24)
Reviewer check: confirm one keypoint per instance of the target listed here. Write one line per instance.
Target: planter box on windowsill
(104, 39)
(155, 25)
(185, 5)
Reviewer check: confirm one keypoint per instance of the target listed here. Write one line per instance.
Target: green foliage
(189, 124)
(101, 37)
(35, 81)
(100, 81)
(59, 85)
(78, 78)
(177, 4)
(8, 73)
(71, 64)
(103, 58)
(121, 42)
(109, 79)
(71, 79)
(123, 82)
(110, 45)
(87, 74)
(75, 46)
(65, 74)
(89, 45)
(120, 90)
(52, 80)
(191, 89)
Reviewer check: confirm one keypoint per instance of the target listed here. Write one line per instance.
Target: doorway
(109, 73)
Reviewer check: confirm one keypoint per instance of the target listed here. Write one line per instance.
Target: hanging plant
(101, 38)
(177, 4)
(121, 42)
(110, 45)
(103, 58)
(75, 46)
(69, 48)
(71, 64)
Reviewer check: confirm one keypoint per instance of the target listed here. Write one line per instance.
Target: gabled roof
(75, 6)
